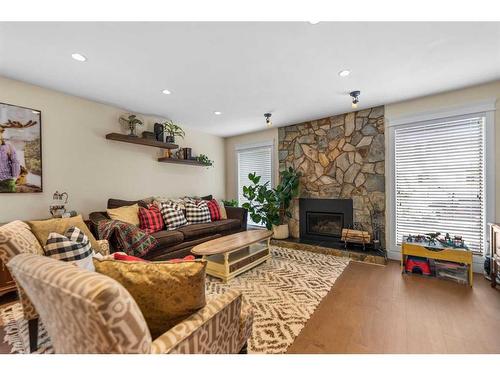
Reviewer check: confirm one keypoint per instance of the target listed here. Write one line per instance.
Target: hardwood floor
(374, 309)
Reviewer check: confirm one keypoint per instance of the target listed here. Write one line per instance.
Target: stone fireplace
(341, 158)
(324, 219)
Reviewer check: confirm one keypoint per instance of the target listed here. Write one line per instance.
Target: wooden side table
(7, 284)
(494, 253)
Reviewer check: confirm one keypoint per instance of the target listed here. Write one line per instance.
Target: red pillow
(150, 219)
(213, 207)
(127, 258)
(130, 258)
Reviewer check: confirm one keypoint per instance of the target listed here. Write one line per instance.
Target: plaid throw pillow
(150, 219)
(72, 246)
(172, 217)
(213, 207)
(197, 212)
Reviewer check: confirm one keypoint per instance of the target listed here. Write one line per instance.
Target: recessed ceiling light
(344, 73)
(314, 22)
(217, 113)
(78, 57)
(166, 92)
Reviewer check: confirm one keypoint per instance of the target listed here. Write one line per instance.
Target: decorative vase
(169, 139)
(187, 153)
(158, 130)
(132, 131)
(280, 232)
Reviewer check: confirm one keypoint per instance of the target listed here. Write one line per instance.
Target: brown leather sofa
(178, 243)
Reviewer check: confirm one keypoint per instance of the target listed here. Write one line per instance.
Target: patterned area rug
(16, 331)
(284, 292)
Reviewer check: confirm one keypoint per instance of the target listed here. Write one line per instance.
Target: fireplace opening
(325, 224)
(324, 219)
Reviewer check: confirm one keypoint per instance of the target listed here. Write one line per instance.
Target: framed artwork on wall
(20, 149)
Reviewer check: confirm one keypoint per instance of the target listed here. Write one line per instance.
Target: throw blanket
(126, 237)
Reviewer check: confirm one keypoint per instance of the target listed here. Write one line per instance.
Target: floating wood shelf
(140, 141)
(182, 161)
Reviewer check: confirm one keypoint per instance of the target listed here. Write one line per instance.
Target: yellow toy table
(457, 255)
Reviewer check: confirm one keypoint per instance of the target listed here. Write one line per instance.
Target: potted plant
(172, 130)
(262, 204)
(132, 122)
(287, 189)
(202, 158)
(270, 206)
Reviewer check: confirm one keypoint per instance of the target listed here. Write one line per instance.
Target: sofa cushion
(197, 212)
(42, 228)
(198, 230)
(166, 292)
(127, 214)
(167, 238)
(228, 224)
(73, 246)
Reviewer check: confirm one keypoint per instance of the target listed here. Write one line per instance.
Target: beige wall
(232, 162)
(79, 160)
(453, 99)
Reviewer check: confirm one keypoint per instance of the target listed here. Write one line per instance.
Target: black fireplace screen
(324, 219)
(325, 224)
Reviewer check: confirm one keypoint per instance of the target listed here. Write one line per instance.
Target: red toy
(417, 265)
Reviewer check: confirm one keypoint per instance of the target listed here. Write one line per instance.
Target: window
(439, 169)
(258, 159)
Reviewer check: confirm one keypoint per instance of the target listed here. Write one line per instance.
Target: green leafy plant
(286, 191)
(132, 121)
(202, 158)
(271, 206)
(173, 130)
(231, 203)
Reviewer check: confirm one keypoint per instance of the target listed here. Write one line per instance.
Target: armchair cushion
(42, 228)
(166, 292)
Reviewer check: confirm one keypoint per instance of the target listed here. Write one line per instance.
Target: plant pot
(169, 139)
(280, 232)
(158, 130)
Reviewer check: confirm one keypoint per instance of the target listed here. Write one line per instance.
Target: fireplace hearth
(323, 219)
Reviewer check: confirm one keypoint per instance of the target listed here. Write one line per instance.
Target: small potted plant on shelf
(270, 206)
(202, 158)
(131, 121)
(172, 130)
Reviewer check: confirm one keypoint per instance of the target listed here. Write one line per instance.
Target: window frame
(486, 109)
(250, 146)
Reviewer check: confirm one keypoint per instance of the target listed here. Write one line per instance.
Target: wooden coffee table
(232, 255)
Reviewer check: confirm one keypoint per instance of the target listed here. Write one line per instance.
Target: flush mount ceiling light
(269, 123)
(78, 57)
(217, 113)
(344, 73)
(166, 92)
(355, 98)
(314, 22)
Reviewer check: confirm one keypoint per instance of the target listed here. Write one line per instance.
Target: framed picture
(20, 149)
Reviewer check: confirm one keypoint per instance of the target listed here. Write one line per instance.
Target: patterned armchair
(16, 238)
(86, 312)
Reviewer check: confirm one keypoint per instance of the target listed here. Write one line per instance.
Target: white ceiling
(246, 69)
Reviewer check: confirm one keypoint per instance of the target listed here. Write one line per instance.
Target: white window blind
(440, 179)
(250, 160)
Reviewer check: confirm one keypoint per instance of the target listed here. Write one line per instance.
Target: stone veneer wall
(341, 156)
